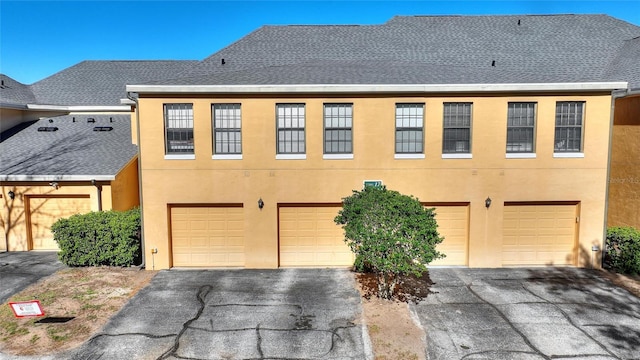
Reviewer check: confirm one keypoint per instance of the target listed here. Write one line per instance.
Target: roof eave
(377, 88)
(82, 108)
(57, 177)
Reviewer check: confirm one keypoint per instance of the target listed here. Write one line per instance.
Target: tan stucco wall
(125, 188)
(314, 180)
(624, 184)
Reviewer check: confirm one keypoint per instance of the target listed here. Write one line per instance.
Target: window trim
(444, 127)
(224, 155)
(408, 128)
(324, 132)
(523, 154)
(304, 133)
(169, 155)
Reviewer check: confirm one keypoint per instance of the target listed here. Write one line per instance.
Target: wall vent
(91, 120)
(47, 128)
(103, 128)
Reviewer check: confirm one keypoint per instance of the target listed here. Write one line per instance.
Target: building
(502, 123)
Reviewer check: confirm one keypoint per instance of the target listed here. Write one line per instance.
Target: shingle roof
(15, 93)
(74, 149)
(425, 49)
(626, 64)
(102, 82)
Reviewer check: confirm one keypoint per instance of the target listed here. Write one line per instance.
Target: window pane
(178, 128)
(409, 122)
(569, 122)
(338, 121)
(227, 129)
(457, 128)
(291, 128)
(520, 127)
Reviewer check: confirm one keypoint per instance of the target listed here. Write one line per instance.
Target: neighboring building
(66, 147)
(502, 123)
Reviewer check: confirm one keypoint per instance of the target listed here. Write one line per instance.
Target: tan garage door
(309, 237)
(44, 211)
(539, 235)
(453, 225)
(207, 236)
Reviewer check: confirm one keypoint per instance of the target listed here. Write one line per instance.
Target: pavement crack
(203, 291)
(505, 352)
(259, 342)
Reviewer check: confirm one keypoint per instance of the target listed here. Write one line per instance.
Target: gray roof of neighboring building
(15, 93)
(429, 49)
(74, 149)
(101, 82)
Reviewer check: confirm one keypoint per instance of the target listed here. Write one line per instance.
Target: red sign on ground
(26, 308)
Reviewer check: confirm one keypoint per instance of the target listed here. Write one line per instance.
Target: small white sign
(26, 308)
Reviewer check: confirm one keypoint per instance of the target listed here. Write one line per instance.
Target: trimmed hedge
(623, 250)
(99, 238)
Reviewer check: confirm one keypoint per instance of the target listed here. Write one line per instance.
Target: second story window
(456, 137)
(569, 127)
(290, 120)
(178, 125)
(409, 128)
(227, 136)
(338, 125)
(521, 121)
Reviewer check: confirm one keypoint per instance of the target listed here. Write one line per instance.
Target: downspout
(133, 98)
(616, 94)
(99, 190)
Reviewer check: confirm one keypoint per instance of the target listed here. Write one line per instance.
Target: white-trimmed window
(227, 135)
(409, 128)
(521, 126)
(338, 128)
(456, 137)
(569, 127)
(290, 119)
(178, 125)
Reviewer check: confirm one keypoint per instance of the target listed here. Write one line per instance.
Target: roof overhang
(57, 177)
(377, 88)
(83, 108)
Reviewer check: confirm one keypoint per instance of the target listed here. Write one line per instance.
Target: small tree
(393, 234)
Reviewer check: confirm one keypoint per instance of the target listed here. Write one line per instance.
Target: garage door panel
(308, 236)
(44, 212)
(453, 225)
(207, 236)
(538, 235)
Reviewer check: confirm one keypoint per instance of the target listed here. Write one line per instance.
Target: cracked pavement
(536, 313)
(237, 314)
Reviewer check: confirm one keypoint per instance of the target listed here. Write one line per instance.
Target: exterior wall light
(260, 203)
(11, 194)
(487, 202)
(54, 185)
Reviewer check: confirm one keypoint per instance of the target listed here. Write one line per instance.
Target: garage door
(453, 225)
(539, 235)
(309, 237)
(207, 236)
(44, 211)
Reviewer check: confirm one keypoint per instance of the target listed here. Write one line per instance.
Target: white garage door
(453, 225)
(539, 235)
(309, 237)
(44, 211)
(207, 236)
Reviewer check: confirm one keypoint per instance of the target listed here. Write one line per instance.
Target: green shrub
(623, 250)
(99, 238)
(391, 234)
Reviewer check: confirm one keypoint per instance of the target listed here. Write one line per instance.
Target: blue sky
(40, 38)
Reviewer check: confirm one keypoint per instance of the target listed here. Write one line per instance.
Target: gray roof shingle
(74, 149)
(94, 83)
(15, 93)
(525, 48)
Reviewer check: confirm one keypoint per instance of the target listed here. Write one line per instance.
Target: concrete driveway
(19, 269)
(538, 313)
(237, 314)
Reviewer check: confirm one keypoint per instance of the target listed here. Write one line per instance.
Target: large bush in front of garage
(99, 238)
(623, 250)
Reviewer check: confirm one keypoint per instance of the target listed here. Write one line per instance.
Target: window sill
(408, 156)
(568, 155)
(337, 156)
(457, 156)
(291, 156)
(227, 157)
(180, 156)
(521, 155)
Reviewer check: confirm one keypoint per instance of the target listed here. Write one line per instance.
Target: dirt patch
(393, 333)
(85, 297)
(629, 282)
